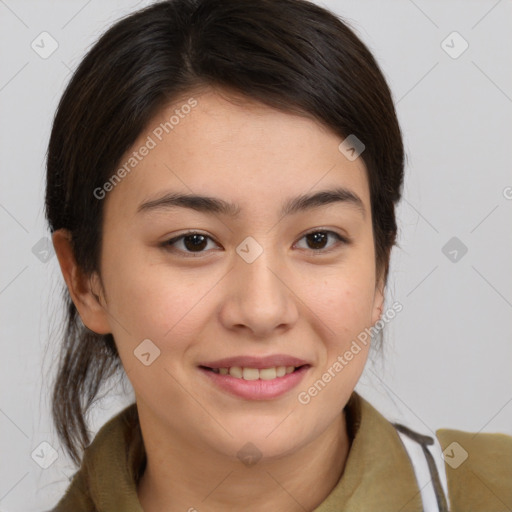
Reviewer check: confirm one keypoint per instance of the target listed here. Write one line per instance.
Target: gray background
(448, 353)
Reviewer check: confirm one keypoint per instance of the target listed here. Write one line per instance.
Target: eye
(318, 239)
(195, 242)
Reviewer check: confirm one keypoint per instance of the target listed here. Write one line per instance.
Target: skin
(293, 299)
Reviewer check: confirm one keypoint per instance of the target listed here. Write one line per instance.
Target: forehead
(246, 152)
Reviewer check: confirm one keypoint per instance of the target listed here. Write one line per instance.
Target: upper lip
(255, 362)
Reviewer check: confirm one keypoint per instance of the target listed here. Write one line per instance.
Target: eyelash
(167, 245)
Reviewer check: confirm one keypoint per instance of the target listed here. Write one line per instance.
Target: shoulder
(109, 467)
(478, 469)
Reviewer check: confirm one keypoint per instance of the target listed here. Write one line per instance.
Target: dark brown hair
(288, 54)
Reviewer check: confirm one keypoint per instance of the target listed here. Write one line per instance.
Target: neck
(179, 477)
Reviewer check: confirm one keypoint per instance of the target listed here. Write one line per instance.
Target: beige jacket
(379, 475)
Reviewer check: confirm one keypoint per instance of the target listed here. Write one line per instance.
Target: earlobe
(378, 300)
(85, 290)
(378, 303)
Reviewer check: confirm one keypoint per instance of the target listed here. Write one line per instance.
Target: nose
(259, 297)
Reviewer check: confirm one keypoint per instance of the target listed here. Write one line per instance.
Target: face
(269, 279)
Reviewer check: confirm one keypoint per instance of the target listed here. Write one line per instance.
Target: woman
(221, 188)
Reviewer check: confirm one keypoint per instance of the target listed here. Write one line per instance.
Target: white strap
(421, 470)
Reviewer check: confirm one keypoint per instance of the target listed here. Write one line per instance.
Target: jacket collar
(378, 474)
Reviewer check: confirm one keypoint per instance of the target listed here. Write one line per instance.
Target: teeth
(255, 373)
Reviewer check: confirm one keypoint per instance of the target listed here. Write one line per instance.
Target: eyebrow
(214, 205)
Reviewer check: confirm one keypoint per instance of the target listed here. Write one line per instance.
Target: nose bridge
(258, 265)
(262, 299)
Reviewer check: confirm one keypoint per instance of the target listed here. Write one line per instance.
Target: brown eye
(190, 243)
(195, 243)
(317, 240)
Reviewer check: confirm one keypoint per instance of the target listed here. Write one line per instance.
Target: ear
(378, 301)
(85, 290)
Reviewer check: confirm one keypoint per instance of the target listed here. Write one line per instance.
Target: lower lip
(257, 389)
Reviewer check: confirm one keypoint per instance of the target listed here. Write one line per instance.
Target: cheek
(144, 299)
(344, 301)
(343, 305)
(153, 302)
(156, 306)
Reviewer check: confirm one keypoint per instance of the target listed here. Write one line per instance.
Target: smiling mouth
(246, 373)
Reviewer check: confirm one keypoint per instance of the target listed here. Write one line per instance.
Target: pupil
(198, 238)
(317, 238)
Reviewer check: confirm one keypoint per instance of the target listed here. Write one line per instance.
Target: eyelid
(167, 244)
(342, 239)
